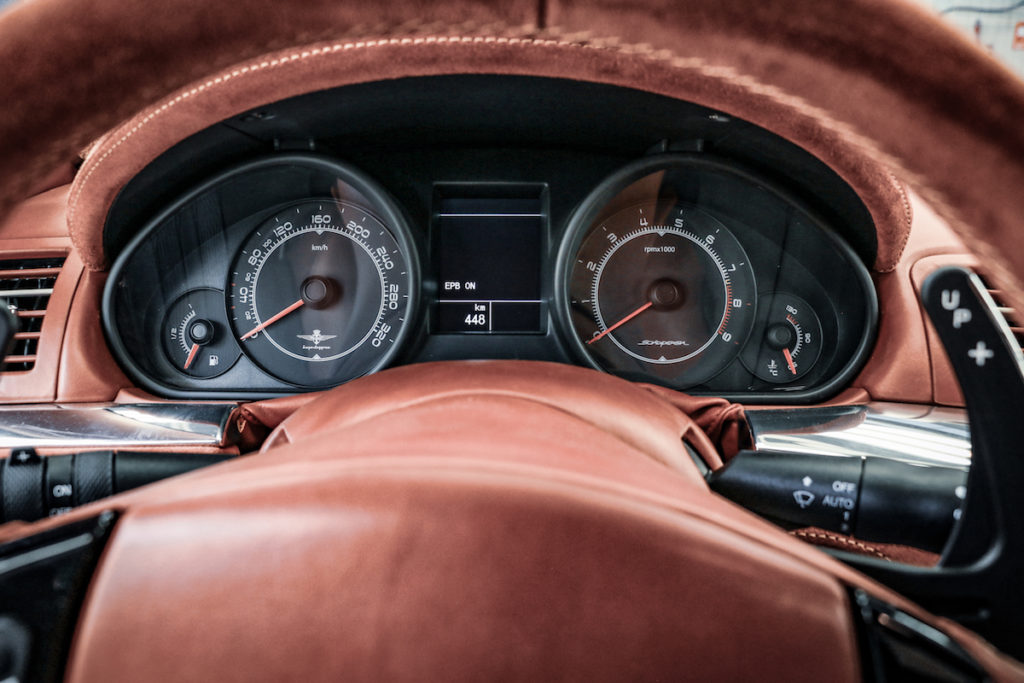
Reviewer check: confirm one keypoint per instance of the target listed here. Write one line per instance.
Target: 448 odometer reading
(320, 292)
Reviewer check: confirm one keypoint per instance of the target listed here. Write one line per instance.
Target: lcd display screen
(488, 255)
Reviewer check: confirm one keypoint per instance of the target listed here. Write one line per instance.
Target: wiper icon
(803, 498)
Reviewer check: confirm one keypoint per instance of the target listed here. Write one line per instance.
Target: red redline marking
(191, 355)
(728, 308)
(622, 322)
(270, 321)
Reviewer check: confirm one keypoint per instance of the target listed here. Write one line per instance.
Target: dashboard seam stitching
(844, 541)
(728, 74)
(293, 57)
(908, 218)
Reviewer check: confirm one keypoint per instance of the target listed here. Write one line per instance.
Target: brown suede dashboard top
(800, 68)
(870, 110)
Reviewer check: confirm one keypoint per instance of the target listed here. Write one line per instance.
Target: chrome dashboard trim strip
(917, 434)
(115, 425)
(16, 293)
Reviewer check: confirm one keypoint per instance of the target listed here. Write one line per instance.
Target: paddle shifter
(979, 529)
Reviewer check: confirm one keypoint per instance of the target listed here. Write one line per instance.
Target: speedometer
(320, 292)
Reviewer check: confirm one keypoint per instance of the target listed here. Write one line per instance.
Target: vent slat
(26, 287)
(10, 360)
(1009, 313)
(26, 273)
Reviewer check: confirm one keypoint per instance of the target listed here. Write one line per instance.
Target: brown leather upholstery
(792, 64)
(495, 533)
(906, 356)
(164, 50)
(414, 555)
(627, 411)
(36, 229)
(443, 570)
(123, 152)
(112, 161)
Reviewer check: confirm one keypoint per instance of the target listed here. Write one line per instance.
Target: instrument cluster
(300, 272)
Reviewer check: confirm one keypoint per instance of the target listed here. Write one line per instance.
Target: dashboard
(686, 248)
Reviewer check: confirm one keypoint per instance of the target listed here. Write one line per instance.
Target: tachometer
(662, 289)
(320, 292)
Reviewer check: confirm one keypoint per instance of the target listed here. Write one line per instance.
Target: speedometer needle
(623, 321)
(271, 320)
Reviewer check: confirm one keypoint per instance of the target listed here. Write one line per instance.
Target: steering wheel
(496, 520)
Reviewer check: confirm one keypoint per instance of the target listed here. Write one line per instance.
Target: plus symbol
(981, 353)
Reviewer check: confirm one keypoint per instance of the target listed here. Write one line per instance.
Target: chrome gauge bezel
(373, 198)
(595, 205)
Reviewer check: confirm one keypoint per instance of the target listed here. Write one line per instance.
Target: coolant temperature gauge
(195, 334)
(790, 341)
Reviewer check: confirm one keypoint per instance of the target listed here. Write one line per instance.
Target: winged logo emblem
(316, 337)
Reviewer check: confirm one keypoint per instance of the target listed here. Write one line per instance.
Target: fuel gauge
(790, 341)
(195, 334)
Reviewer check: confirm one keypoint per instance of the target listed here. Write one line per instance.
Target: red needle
(271, 320)
(191, 356)
(789, 360)
(623, 321)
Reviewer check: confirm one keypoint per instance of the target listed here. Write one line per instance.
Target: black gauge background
(778, 233)
(350, 304)
(192, 242)
(414, 134)
(753, 352)
(213, 311)
(703, 282)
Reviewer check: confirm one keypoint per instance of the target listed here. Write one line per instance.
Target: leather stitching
(844, 541)
(582, 40)
(908, 218)
(578, 40)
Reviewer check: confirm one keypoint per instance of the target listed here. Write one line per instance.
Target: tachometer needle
(191, 356)
(789, 360)
(271, 320)
(623, 321)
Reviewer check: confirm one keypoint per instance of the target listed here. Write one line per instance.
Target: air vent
(1009, 314)
(26, 286)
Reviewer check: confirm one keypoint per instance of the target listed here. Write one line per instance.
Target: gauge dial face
(319, 293)
(790, 339)
(664, 291)
(196, 335)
